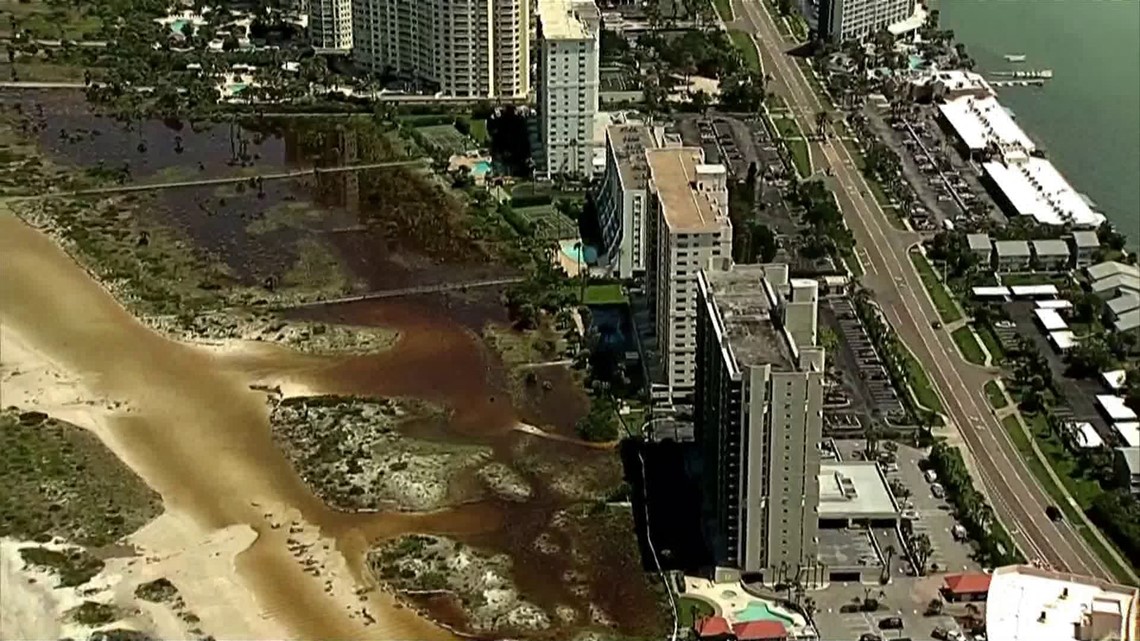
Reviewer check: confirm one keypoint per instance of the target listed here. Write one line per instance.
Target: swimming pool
(579, 253)
(760, 611)
(481, 168)
(178, 25)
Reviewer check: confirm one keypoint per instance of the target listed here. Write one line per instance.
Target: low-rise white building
(1012, 255)
(1028, 604)
(982, 248)
(1051, 254)
(688, 227)
(1085, 245)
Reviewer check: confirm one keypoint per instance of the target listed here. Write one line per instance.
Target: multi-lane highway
(1017, 499)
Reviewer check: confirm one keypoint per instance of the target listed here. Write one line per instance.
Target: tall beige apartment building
(567, 53)
(688, 227)
(463, 48)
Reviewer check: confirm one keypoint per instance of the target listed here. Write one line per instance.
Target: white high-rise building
(758, 414)
(467, 48)
(623, 198)
(688, 227)
(839, 20)
(330, 24)
(567, 83)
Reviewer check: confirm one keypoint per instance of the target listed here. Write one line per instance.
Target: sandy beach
(252, 551)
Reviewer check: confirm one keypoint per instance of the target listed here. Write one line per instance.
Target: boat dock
(1026, 75)
(1036, 82)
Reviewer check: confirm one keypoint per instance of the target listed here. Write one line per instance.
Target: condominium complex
(759, 415)
(839, 20)
(688, 226)
(330, 24)
(567, 85)
(467, 48)
(623, 197)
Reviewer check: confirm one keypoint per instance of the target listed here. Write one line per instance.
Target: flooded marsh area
(291, 448)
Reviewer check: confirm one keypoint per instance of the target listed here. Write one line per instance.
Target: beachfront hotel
(567, 50)
(688, 226)
(759, 417)
(462, 48)
(839, 20)
(330, 24)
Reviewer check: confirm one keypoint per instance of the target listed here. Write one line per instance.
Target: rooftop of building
(1050, 247)
(567, 19)
(674, 172)
(630, 140)
(1111, 268)
(1011, 248)
(981, 122)
(747, 313)
(1086, 239)
(1131, 457)
(1034, 187)
(855, 489)
(979, 241)
(1029, 604)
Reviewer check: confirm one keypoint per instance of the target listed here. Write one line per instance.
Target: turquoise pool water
(481, 168)
(759, 611)
(915, 62)
(575, 252)
(177, 25)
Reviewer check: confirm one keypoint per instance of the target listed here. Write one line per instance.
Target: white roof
(1011, 248)
(1129, 432)
(981, 121)
(979, 242)
(853, 489)
(1050, 319)
(1115, 378)
(1035, 188)
(1115, 408)
(1116, 281)
(1034, 290)
(1087, 435)
(1063, 339)
(1111, 268)
(1125, 302)
(1127, 321)
(1056, 303)
(568, 19)
(1050, 247)
(1027, 604)
(1086, 239)
(991, 291)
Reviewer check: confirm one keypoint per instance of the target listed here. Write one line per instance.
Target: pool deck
(729, 599)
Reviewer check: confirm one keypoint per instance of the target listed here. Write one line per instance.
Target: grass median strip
(919, 382)
(993, 345)
(724, 9)
(968, 345)
(1021, 440)
(995, 395)
(943, 301)
(794, 139)
(747, 47)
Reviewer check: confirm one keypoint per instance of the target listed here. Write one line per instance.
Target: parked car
(1054, 514)
(891, 623)
(931, 476)
(937, 490)
(869, 636)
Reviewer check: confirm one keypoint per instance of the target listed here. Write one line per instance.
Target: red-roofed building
(760, 631)
(966, 587)
(712, 628)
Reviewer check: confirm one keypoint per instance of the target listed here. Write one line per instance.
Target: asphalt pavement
(1009, 484)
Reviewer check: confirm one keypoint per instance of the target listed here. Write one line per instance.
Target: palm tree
(889, 553)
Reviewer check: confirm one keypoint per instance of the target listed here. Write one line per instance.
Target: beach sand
(193, 429)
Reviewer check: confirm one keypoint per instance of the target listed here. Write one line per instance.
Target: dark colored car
(867, 636)
(1054, 513)
(936, 325)
(891, 623)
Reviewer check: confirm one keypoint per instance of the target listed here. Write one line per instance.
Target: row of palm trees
(995, 546)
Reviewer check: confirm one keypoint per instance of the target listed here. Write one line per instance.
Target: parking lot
(857, 357)
(906, 596)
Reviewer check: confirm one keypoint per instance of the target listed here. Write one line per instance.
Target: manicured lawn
(968, 345)
(689, 608)
(993, 345)
(724, 9)
(943, 302)
(1013, 428)
(446, 137)
(920, 383)
(1034, 279)
(797, 146)
(995, 395)
(747, 48)
(853, 263)
(479, 131)
(607, 294)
